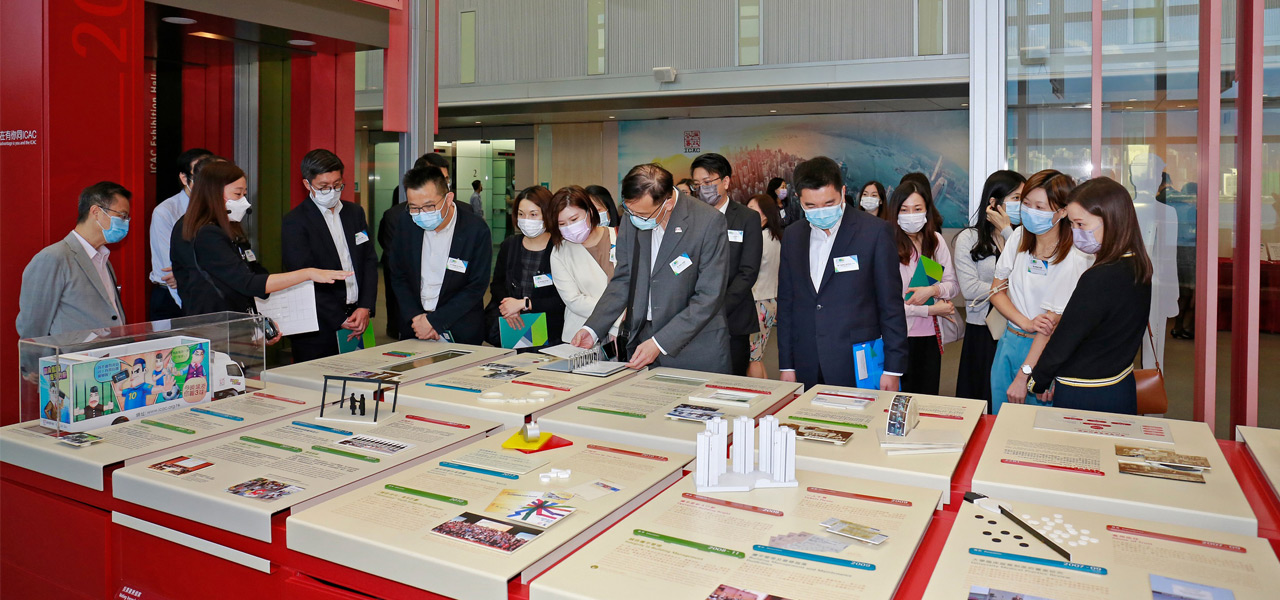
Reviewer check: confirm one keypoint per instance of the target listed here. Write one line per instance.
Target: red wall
(322, 114)
(71, 70)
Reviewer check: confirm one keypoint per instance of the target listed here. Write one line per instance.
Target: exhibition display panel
(1161, 470)
(509, 389)
(85, 458)
(239, 482)
(666, 408)
(1264, 446)
(829, 538)
(465, 524)
(989, 556)
(407, 361)
(848, 435)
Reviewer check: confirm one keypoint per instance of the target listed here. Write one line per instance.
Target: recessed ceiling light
(364, 127)
(477, 122)
(1182, 106)
(1133, 100)
(179, 20)
(964, 104)
(612, 117)
(302, 42)
(773, 111)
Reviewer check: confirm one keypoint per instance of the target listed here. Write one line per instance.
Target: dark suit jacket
(744, 268)
(820, 328)
(688, 307)
(306, 242)
(544, 299)
(229, 281)
(386, 233)
(460, 309)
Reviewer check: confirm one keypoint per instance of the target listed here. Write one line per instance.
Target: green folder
(533, 334)
(360, 343)
(928, 272)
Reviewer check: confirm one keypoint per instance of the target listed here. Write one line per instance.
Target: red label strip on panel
(859, 496)
(737, 505)
(1009, 461)
(280, 398)
(737, 389)
(938, 416)
(445, 423)
(1174, 538)
(627, 452)
(542, 385)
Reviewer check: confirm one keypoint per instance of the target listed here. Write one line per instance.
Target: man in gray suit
(70, 285)
(675, 246)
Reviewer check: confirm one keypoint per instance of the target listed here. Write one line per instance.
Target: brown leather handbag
(1152, 398)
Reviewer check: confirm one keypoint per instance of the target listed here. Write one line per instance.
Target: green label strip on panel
(269, 444)
(169, 427)
(413, 492)
(824, 422)
(613, 412)
(689, 544)
(346, 454)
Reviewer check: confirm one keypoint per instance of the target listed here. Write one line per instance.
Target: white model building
(775, 466)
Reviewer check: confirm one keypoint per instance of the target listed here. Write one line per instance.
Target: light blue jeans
(1011, 352)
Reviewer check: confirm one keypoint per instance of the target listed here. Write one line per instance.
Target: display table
(523, 391)
(862, 455)
(1080, 470)
(1264, 447)
(685, 545)
(406, 361)
(239, 482)
(29, 445)
(634, 412)
(987, 554)
(1268, 295)
(385, 528)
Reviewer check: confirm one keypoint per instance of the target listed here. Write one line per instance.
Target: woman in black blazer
(212, 261)
(1088, 363)
(522, 276)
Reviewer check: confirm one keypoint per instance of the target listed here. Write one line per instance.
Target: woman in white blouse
(582, 257)
(765, 291)
(976, 251)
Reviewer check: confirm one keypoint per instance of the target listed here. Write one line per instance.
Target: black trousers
(979, 352)
(318, 344)
(924, 365)
(739, 353)
(393, 305)
(162, 305)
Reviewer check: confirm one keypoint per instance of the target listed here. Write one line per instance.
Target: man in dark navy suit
(327, 233)
(838, 285)
(440, 263)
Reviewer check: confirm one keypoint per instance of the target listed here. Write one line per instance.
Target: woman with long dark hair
(765, 290)
(872, 197)
(918, 235)
(522, 280)
(1034, 278)
(789, 210)
(1088, 363)
(212, 261)
(976, 250)
(604, 204)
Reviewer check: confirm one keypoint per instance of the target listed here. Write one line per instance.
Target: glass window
(748, 32)
(931, 27)
(467, 47)
(597, 24)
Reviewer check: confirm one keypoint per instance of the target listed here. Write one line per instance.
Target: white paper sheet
(293, 309)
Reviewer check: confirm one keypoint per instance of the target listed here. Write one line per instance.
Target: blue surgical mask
(118, 229)
(645, 224)
(1085, 240)
(604, 218)
(825, 217)
(429, 219)
(1037, 221)
(1013, 208)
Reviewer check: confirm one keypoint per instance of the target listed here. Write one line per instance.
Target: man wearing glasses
(670, 278)
(325, 232)
(440, 263)
(70, 285)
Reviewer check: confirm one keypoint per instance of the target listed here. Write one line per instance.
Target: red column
(322, 114)
(1246, 275)
(72, 76)
(1208, 136)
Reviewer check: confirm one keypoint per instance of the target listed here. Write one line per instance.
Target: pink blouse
(918, 321)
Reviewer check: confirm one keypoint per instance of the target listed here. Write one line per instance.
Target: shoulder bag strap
(1151, 337)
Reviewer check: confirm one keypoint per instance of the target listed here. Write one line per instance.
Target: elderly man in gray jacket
(675, 249)
(70, 285)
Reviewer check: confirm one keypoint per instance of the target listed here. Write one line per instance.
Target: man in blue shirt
(138, 394)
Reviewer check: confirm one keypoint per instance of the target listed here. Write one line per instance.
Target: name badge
(782, 212)
(361, 237)
(846, 263)
(735, 235)
(613, 254)
(541, 281)
(1038, 267)
(681, 263)
(457, 264)
(248, 255)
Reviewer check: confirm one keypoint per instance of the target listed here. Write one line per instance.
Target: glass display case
(81, 381)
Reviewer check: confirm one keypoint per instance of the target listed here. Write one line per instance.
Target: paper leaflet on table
(533, 332)
(293, 309)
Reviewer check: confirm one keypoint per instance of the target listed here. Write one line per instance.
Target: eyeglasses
(708, 181)
(627, 209)
(114, 213)
(427, 208)
(335, 188)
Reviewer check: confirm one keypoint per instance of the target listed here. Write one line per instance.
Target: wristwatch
(1026, 370)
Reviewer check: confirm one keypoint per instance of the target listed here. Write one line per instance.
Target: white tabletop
(406, 361)
(1264, 446)
(1080, 470)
